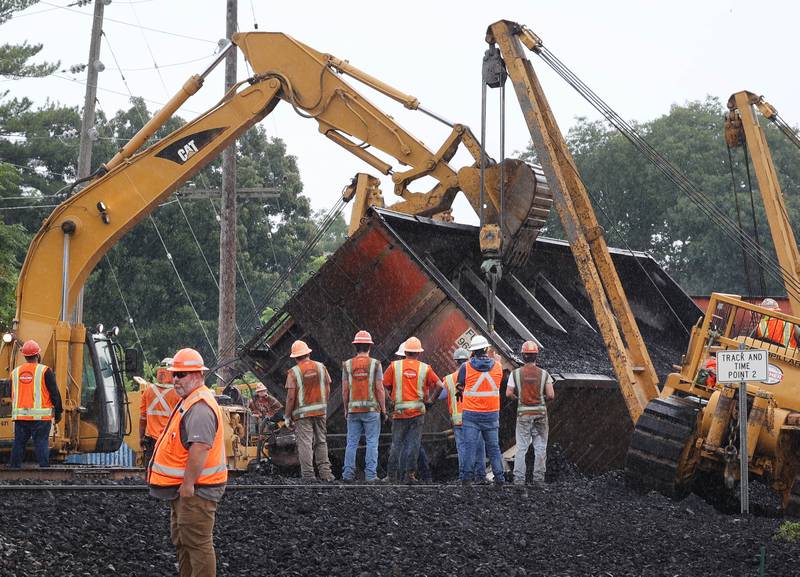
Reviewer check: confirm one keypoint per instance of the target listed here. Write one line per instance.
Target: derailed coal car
(401, 275)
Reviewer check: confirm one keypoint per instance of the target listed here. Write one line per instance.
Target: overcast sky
(640, 57)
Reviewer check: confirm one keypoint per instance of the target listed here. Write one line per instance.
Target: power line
(122, 22)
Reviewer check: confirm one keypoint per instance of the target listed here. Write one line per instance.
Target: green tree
(14, 57)
(641, 209)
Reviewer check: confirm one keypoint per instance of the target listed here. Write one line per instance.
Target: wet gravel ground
(574, 526)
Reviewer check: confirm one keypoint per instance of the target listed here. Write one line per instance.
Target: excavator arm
(630, 360)
(129, 187)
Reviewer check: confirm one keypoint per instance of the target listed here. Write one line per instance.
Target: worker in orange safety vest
(532, 386)
(479, 382)
(411, 385)
(777, 330)
(35, 403)
(455, 408)
(308, 386)
(189, 467)
(158, 400)
(364, 402)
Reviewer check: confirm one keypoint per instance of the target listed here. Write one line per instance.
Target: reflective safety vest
(158, 402)
(530, 382)
(482, 389)
(30, 399)
(409, 386)
(360, 372)
(777, 331)
(170, 456)
(312, 392)
(453, 404)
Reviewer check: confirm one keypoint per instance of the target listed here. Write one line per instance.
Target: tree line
(137, 287)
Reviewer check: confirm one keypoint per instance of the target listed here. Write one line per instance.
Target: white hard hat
(769, 303)
(166, 362)
(400, 352)
(478, 343)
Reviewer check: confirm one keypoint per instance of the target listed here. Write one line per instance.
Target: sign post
(741, 367)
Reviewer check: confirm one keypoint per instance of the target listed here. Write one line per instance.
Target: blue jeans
(24, 430)
(479, 469)
(370, 425)
(487, 426)
(406, 438)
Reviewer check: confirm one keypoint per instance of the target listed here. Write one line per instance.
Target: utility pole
(93, 68)
(226, 337)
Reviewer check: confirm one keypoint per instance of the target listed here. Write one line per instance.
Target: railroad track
(243, 487)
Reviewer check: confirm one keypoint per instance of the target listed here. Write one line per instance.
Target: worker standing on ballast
(478, 383)
(189, 468)
(364, 402)
(532, 386)
(410, 384)
(308, 387)
(35, 403)
(157, 402)
(454, 406)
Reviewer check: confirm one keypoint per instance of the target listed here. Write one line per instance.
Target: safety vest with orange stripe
(530, 381)
(482, 389)
(168, 466)
(30, 399)
(312, 389)
(453, 404)
(409, 387)
(158, 402)
(777, 331)
(360, 372)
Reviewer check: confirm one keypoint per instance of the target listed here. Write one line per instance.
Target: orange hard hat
(413, 345)
(530, 348)
(31, 348)
(187, 360)
(299, 349)
(363, 338)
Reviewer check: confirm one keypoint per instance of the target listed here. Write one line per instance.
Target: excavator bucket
(401, 275)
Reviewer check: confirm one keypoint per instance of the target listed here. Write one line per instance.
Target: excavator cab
(103, 405)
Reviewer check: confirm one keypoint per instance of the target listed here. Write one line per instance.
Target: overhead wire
(123, 23)
(323, 227)
(158, 231)
(125, 305)
(701, 201)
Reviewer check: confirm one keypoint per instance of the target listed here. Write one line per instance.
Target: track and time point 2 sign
(742, 366)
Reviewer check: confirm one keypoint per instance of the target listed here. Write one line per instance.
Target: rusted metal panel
(396, 277)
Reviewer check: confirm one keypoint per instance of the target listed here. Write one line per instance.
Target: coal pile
(573, 527)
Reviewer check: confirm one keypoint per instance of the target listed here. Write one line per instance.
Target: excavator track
(658, 457)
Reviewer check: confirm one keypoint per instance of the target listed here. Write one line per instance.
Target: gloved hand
(459, 392)
(288, 422)
(57, 417)
(147, 443)
(384, 417)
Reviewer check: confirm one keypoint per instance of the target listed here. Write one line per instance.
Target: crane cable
(762, 282)
(745, 260)
(702, 202)
(323, 228)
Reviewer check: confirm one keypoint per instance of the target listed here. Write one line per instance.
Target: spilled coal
(573, 526)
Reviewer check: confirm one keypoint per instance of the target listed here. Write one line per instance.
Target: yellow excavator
(689, 424)
(88, 362)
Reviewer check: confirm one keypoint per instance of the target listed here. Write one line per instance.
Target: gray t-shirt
(199, 425)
